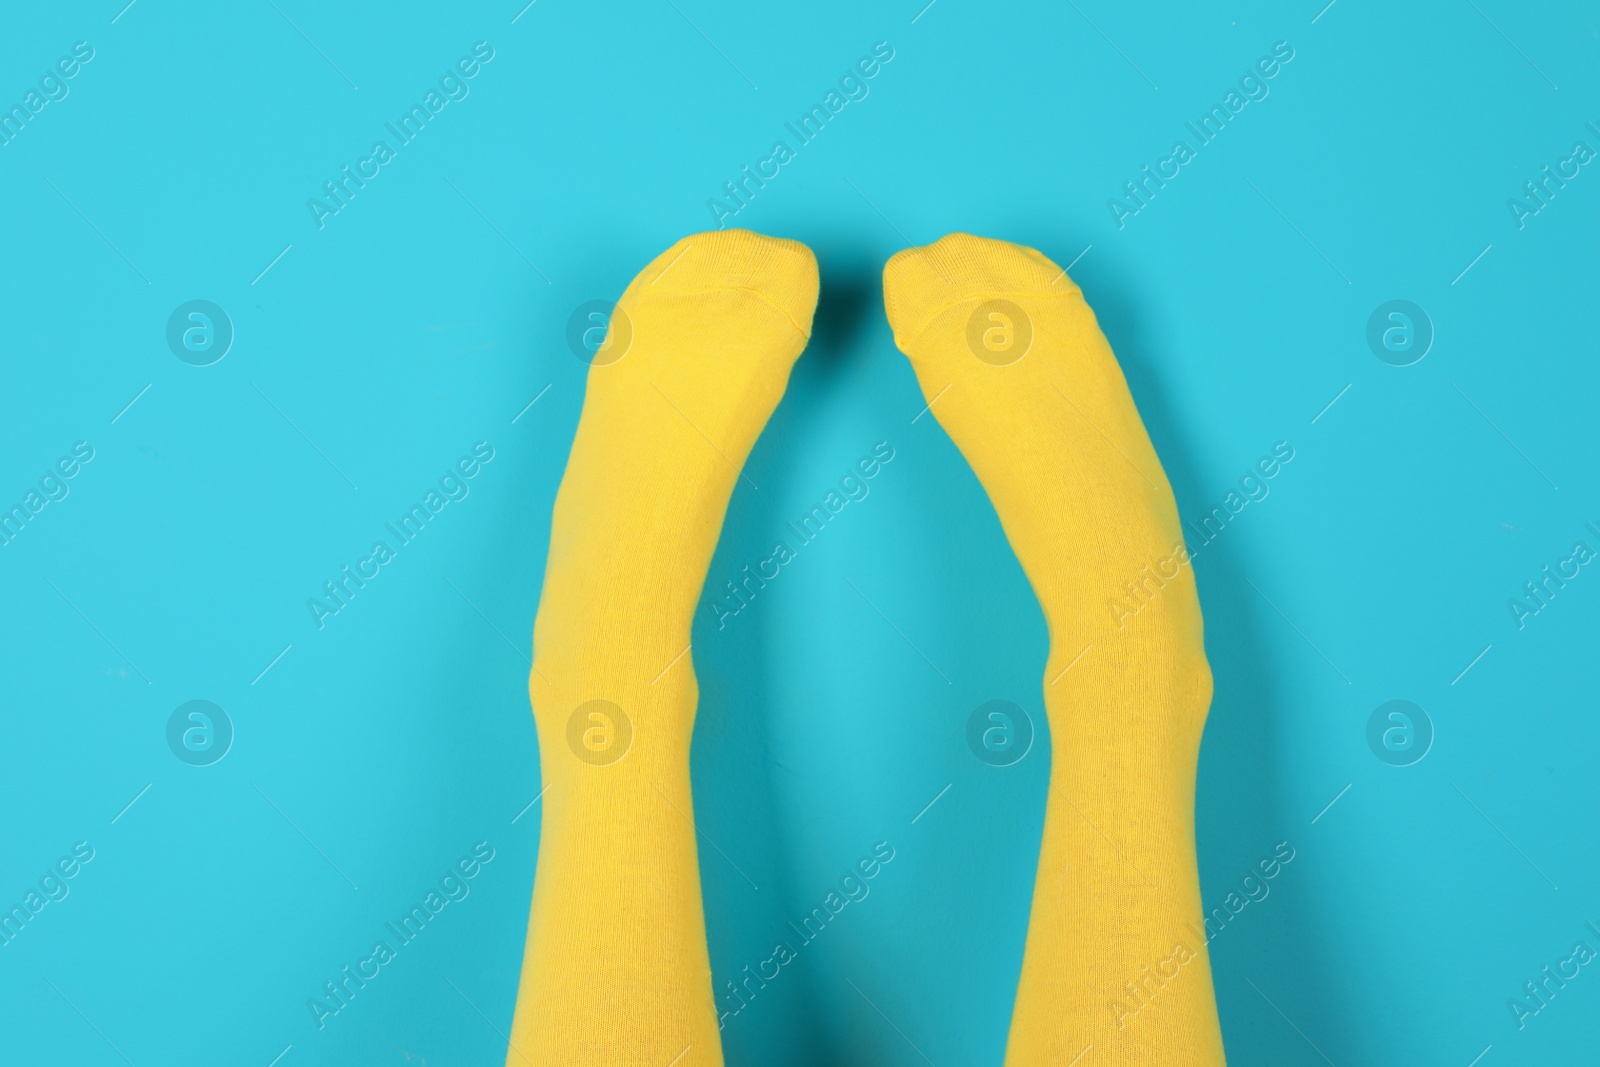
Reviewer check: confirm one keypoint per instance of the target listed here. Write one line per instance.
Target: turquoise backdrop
(240, 340)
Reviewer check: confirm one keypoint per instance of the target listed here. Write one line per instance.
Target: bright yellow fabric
(1115, 970)
(616, 971)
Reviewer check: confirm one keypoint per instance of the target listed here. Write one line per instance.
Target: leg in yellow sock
(616, 972)
(1115, 961)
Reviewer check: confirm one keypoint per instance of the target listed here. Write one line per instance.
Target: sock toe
(919, 283)
(783, 272)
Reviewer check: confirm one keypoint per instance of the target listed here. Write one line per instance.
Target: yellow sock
(1020, 376)
(616, 972)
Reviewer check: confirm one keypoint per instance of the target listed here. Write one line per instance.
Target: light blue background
(426, 316)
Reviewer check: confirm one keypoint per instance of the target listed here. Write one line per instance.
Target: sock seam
(942, 308)
(740, 289)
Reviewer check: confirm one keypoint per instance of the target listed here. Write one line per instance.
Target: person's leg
(1019, 374)
(616, 970)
